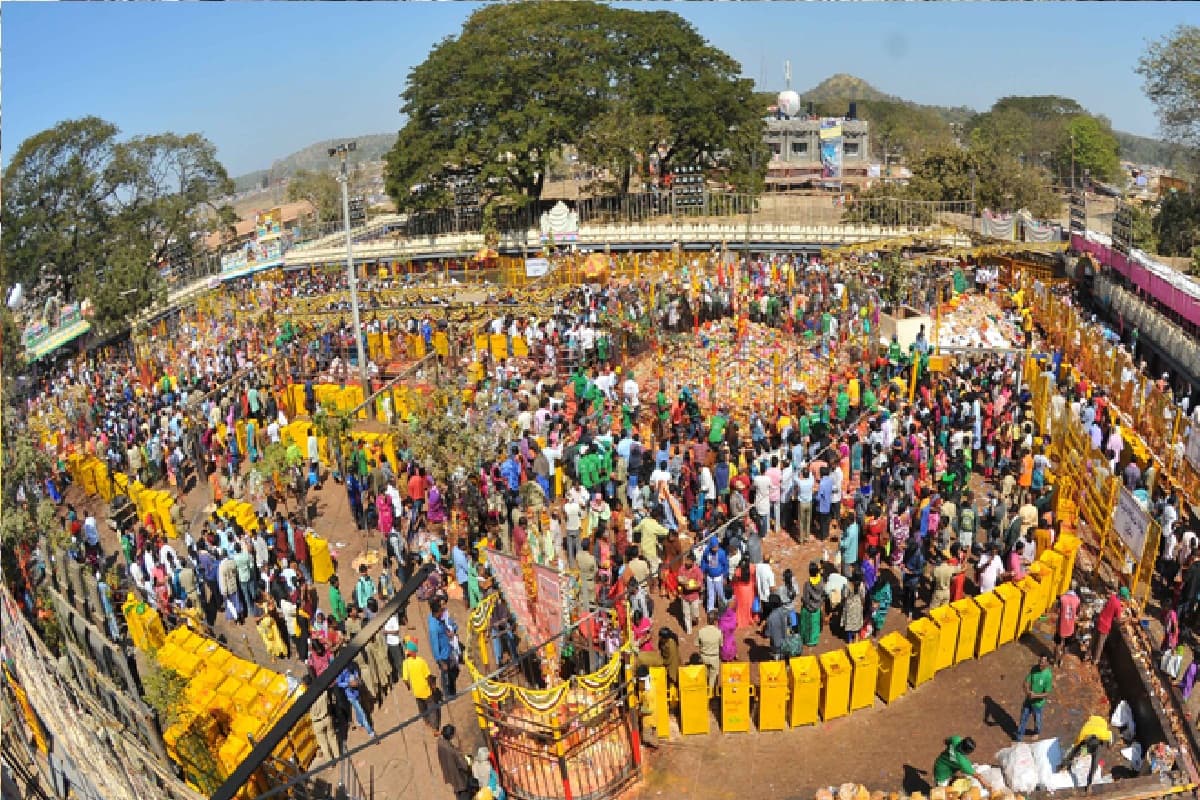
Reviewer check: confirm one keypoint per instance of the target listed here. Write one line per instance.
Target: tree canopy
(1038, 131)
(319, 188)
(102, 215)
(522, 80)
(1170, 70)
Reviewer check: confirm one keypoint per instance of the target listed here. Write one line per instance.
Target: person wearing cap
(418, 677)
(456, 770)
(953, 762)
(1114, 607)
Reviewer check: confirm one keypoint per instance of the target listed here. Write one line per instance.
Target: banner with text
(1131, 521)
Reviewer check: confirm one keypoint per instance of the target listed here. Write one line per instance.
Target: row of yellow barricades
(319, 555)
(405, 399)
(809, 689)
(230, 701)
(501, 345)
(94, 477)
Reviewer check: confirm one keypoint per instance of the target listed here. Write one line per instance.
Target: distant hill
(833, 95)
(845, 87)
(370, 147)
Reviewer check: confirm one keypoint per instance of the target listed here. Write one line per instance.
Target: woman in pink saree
(727, 623)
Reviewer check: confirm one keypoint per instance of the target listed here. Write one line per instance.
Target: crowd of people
(900, 498)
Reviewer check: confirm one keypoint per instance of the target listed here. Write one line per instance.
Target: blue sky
(263, 79)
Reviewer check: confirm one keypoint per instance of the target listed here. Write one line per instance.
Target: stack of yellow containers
(230, 701)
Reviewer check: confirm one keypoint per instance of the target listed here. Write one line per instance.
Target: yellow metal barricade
(1067, 546)
(968, 628)
(662, 704)
(835, 689)
(864, 658)
(923, 634)
(1052, 561)
(947, 621)
(895, 652)
(806, 690)
(693, 699)
(1010, 596)
(772, 695)
(735, 697)
(1031, 603)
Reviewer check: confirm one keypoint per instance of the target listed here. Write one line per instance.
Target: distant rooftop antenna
(787, 74)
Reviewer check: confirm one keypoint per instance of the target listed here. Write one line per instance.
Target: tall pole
(1072, 161)
(364, 375)
(973, 209)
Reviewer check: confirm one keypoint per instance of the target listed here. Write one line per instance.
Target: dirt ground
(887, 747)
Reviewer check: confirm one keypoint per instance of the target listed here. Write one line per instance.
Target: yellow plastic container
(895, 652)
(322, 562)
(864, 658)
(219, 658)
(772, 695)
(230, 686)
(735, 697)
(1011, 597)
(946, 619)
(835, 679)
(245, 695)
(168, 656)
(1067, 546)
(924, 636)
(693, 699)
(806, 690)
(968, 628)
(991, 613)
(241, 669)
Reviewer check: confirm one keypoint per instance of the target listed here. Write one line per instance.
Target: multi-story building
(795, 144)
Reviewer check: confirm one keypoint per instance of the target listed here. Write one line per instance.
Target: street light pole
(343, 151)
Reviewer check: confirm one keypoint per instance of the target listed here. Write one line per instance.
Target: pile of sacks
(966, 789)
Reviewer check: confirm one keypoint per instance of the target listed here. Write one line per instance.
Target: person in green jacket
(953, 762)
(337, 605)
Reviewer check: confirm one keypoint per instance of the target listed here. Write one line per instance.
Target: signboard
(252, 257)
(1192, 447)
(56, 326)
(1131, 521)
(511, 581)
(831, 148)
(549, 602)
(560, 224)
(536, 267)
(268, 224)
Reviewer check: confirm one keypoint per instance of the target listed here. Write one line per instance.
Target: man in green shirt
(953, 760)
(1038, 684)
(337, 605)
(716, 428)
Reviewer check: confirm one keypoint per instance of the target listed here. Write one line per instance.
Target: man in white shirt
(630, 391)
(805, 485)
(572, 522)
(762, 502)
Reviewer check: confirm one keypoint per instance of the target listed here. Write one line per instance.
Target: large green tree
(524, 79)
(319, 188)
(1037, 131)
(102, 215)
(1170, 70)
